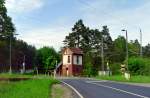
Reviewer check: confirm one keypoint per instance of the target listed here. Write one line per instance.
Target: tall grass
(36, 88)
(121, 78)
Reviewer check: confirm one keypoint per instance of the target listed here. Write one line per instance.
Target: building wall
(72, 68)
(77, 70)
(79, 60)
(65, 59)
(64, 70)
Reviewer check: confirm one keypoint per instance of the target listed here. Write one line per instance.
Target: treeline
(16, 53)
(20, 52)
(12, 51)
(94, 41)
(46, 59)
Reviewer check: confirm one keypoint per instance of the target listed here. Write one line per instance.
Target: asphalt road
(105, 89)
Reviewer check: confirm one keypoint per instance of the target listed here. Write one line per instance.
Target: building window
(77, 59)
(68, 59)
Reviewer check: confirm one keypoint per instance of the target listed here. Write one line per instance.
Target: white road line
(119, 90)
(96, 81)
(73, 89)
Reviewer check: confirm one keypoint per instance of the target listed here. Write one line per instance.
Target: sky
(47, 22)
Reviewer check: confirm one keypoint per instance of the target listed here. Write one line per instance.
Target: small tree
(46, 58)
(139, 66)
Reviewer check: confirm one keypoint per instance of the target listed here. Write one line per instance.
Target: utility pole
(141, 50)
(10, 52)
(102, 53)
(10, 68)
(127, 48)
(127, 56)
(126, 74)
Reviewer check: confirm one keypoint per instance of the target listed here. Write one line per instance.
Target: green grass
(120, 78)
(39, 87)
(6, 75)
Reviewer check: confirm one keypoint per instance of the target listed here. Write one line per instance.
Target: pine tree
(90, 41)
(75, 37)
(8, 28)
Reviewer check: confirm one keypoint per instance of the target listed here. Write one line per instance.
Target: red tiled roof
(76, 50)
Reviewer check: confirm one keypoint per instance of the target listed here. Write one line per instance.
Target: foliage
(46, 58)
(139, 66)
(115, 68)
(119, 55)
(146, 51)
(90, 68)
(121, 78)
(6, 22)
(19, 49)
(75, 37)
(134, 48)
(90, 41)
(119, 49)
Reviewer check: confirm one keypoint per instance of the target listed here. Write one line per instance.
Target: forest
(100, 51)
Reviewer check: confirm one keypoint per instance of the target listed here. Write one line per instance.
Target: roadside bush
(90, 70)
(115, 68)
(139, 66)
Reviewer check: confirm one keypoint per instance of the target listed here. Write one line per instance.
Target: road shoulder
(62, 91)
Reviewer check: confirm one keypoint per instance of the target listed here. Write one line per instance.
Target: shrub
(115, 68)
(139, 66)
(89, 70)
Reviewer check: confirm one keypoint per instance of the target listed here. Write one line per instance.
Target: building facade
(72, 62)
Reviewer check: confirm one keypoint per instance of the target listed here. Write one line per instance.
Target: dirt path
(62, 91)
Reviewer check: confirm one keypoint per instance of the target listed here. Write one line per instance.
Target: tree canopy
(19, 48)
(91, 42)
(47, 58)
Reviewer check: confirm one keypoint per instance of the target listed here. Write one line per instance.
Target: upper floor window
(77, 59)
(68, 59)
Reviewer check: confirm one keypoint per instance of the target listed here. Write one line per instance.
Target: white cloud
(48, 36)
(23, 5)
(99, 14)
(131, 18)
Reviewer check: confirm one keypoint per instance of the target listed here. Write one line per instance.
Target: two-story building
(72, 62)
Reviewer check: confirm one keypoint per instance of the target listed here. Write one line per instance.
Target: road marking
(119, 90)
(97, 81)
(73, 89)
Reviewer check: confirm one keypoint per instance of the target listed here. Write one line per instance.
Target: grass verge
(120, 78)
(4, 75)
(33, 88)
